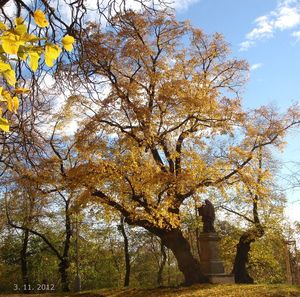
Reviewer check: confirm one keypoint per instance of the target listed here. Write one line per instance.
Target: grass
(193, 291)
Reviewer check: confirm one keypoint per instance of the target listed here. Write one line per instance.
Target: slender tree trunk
(65, 262)
(187, 264)
(240, 271)
(24, 262)
(63, 270)
(126, 253)
(161, 264)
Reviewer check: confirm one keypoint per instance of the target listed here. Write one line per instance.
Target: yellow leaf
(15, 103)
(4, 66)
(31, 37)
(4, 124)
(10, 46)
(5, 96)
(21, 29)
(22, 54)
(21, 90)
(19, 21)
(52, 52)
(3, 26)
(10, 77)
(34, 60)
(1, 111)
(12, 103)
(40, 19)
(67, 42)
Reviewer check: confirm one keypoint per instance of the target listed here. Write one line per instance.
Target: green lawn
(194, 291)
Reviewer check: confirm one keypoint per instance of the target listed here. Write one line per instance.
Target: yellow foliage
(2, 26)
(67, 42)
(22, 90)
(33, 60)
(40, 19)
(4, 125)
(10, 77)
(11, 43)
(16, 41)
(52, 52)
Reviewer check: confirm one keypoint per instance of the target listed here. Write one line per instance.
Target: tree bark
(24, 262)
(187, 264)
(162, 264)
(126, 253)
(240, 271)
(63, 270)
(65, 263)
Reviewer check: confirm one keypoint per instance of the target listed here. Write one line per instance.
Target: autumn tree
(259, 202)
(169, 125)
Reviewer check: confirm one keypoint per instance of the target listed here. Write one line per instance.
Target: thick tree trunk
(24, 262)
(240, 271)
(187, 264)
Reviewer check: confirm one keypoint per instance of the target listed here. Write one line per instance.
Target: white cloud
(263, 29)
(285, 16)
(245, 45)
(256, 66)
(296, 34)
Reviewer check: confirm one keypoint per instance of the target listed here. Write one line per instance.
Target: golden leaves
(34, 58)
(22, 90)
(52, 52)
(12, 102)
(18, 42)
(67, 42)
(40, 19)
(10, 76)
(4, 125)
(11, 43)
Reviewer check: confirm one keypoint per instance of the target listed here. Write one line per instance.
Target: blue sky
(267, 34)
(275, 53)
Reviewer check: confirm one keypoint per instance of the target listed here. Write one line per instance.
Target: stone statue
(207, 212)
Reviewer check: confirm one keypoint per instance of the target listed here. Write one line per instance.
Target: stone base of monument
(211, 263)
(221, 279)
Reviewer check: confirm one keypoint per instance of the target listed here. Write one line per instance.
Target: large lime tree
(169, 125)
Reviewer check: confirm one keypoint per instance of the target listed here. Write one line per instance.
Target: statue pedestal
(210, 260)
(210, 256)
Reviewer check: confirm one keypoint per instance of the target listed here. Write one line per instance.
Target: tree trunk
(187, 264)
(126, 253)
(65, 263)
(24, 263)
(162, 264)
(240, 271)
(63, 270)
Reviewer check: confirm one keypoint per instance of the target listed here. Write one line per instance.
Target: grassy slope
(194, 291)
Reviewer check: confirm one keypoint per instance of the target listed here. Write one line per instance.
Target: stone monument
(210, 260)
